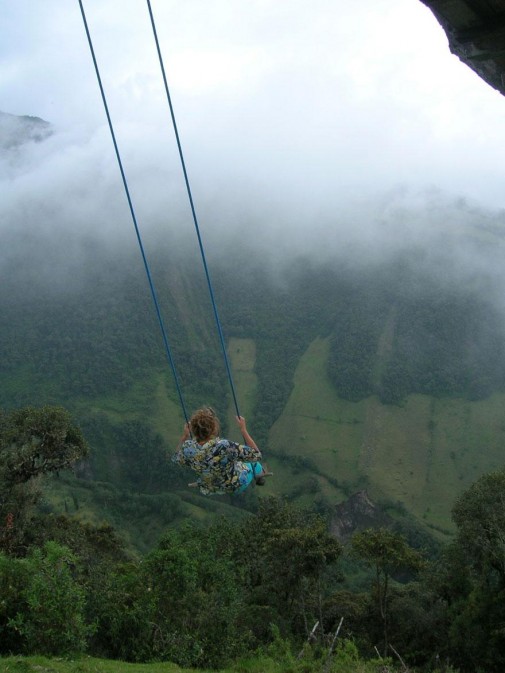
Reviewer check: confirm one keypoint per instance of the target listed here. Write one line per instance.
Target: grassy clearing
(317, 425)
(165, 413)
(242, 354)
(423, 453)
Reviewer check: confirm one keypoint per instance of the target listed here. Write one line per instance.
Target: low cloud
(64, 205)
(327, 131)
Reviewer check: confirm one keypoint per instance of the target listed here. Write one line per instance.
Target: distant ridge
(17, 130)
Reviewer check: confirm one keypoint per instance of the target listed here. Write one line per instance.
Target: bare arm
(251, 452)
(243, 429)
(180, 456)
(185, 435)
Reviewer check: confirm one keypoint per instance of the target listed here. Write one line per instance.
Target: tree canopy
(33, 442)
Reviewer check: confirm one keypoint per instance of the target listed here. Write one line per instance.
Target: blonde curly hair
(204, 424)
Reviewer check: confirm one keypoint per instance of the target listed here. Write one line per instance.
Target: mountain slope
(422, 453)
(389, 376)
(15, 130)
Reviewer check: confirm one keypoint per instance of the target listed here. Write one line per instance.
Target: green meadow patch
(341, 664)
(422, 453)
(242, 355)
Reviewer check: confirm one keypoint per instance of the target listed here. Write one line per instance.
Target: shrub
(14, 576)
(51, 615)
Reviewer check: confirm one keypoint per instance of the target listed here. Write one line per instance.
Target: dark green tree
(33, 442)
(480, 517)
(387, 553)
(286, 553)
(475, 581)
(197, 592)
(14, 577)
(122, 608)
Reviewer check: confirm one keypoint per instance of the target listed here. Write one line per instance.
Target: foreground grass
(84, 665)
(20, 664)
(37, 664)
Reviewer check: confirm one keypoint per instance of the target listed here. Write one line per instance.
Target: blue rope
(195, 220)
(139, 238)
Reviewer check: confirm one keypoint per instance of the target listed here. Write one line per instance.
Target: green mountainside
(386, 375)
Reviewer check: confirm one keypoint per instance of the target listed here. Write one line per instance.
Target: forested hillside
(386, 374)
(371, 369)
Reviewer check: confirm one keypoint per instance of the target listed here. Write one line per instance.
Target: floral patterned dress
(222, 466)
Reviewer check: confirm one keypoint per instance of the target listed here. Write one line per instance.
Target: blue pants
(248, 475)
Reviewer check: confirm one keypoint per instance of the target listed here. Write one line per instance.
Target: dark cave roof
(476, 33)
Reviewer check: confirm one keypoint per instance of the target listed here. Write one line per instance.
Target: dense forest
(208, 595)
(395, 329)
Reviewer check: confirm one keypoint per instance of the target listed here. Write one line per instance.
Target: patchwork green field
(423, 453)
(383, 379)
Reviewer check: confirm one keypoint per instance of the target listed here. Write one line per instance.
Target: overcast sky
(290, 107)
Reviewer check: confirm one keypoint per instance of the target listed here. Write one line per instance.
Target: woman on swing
(223, 466)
